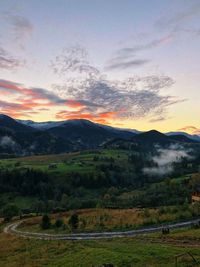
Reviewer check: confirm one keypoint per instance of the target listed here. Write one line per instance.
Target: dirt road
(13, 229)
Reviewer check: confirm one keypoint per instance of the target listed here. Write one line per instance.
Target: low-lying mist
(165, 158)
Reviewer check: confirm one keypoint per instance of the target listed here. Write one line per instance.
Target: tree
(59, 223)
(64, 201)
(46, 223)
(38, 206)
(10, 211)
(73, 221)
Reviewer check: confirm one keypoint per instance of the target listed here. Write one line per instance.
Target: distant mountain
(41, 125)
(21, 137)
(147, 139)
(152, 137)
(182, 138)
(10, 124)
(51, 124)
(190, 136)
(86, 134)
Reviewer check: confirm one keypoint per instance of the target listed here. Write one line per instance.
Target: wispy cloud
(21, 101)
(127, 51)
(172, 25)
(179, 18)
(15, 31)
(178, 23)
(158, 119)
(100, 100)
(8, 62)
(127, 57)
(119, 64)
(21, 27)
(132, 98)
(85, 92)
(102, 117)
(190, 129)
(73, 59)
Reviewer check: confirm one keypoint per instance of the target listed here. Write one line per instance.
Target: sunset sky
(126, 63)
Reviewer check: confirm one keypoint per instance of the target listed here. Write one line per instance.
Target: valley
(119, 181)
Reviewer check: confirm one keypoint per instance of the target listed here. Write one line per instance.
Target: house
(196, 195)
(52, 166)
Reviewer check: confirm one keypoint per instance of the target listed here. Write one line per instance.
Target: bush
(9, 212)
(46, 223)
(59, 223)
(73, 221)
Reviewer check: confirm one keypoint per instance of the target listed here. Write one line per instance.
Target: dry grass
(105, 219)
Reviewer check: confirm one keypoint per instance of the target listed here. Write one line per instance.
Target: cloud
(178, 19)
(131, 50)
(158, 119)
(131, 98)
(179, 22)
(8, 62)
(136, 97)
(85, 92)
(16, 30)
(127, 57)
(21, 27)
(26, 101)
(165, 158)
(102, 117)
(7, 141)
(101, 100)
(191, 129)
(120, 65)
(73, 60)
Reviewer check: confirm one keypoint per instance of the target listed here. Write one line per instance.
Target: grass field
(106, 219)
(142, 251)
(65, 163)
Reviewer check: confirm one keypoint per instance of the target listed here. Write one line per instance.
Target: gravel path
(12, 229)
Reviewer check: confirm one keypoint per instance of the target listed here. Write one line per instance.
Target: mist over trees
(107, 185)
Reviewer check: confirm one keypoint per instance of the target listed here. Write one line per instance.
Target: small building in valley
(52, 166)
(196, 195)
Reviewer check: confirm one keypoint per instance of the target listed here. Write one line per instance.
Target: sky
(125, 63)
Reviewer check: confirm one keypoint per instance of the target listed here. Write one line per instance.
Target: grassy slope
(105, 220)
(79, 161)
(17, 252)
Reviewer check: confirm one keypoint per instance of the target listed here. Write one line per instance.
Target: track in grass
(12, 229)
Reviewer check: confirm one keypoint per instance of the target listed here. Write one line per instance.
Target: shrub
(59, 223)
(73, 221)
(46, 223)
(10, 211)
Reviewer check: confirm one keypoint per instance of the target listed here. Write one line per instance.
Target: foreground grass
(125, 252)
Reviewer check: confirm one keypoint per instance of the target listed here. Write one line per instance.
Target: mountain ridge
(29, 137)
(50, 124)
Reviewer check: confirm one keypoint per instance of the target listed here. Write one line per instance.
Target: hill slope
(27, 137)
(87, 134)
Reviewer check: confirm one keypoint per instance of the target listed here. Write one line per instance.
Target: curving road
(12, 229)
